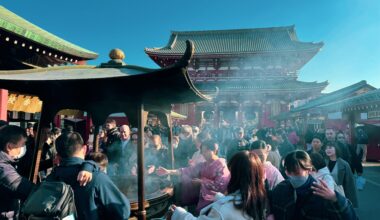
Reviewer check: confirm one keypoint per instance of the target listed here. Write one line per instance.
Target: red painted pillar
(57, 121)
(88, 127)
(3, 104)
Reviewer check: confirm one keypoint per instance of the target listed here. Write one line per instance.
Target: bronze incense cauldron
(158, 193)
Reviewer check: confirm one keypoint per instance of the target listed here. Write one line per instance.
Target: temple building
(314, 115)
(24, 45)
(252, 73)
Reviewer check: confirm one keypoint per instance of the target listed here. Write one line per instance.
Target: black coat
(99, 199)
(288, 203)
(13, 187)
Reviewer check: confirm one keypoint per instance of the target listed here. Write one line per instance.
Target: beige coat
(222, 209)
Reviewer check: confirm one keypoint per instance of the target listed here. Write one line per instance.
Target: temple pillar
(216, 116)
(3, 104)
(191, 114)
(265, 119)
(240, 114)
(351, 122)
(259, 115)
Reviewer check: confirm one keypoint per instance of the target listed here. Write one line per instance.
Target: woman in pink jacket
(210, 177)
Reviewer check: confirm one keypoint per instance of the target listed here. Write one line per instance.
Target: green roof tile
(333, 96)
(21, 27)
(369, 98)
(257, 40)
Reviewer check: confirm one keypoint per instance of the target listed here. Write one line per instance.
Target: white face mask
(183, 137)
(297, 181)
(22, 153)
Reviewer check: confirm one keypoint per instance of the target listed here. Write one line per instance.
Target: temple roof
(80, 72)
(349, 91)
(367, 100)
(262, 85)
(23, 28)
(108, 88)
(66, 84)
(239, 41)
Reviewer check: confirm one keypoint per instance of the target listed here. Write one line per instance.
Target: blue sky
(350, 29)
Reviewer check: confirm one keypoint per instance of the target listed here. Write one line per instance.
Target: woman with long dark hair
(246, 197)
(247, 179)
(341, 172)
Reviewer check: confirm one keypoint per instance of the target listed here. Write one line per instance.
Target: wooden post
(216, 116)
(95, 142)
(170, 138)
(141, 119)
(41, 136)
(351, 121)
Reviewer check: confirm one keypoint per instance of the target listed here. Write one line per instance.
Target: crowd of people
(224, 173)
(303, 178)
(96, 196)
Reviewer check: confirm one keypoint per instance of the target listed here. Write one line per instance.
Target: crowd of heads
(249, 149)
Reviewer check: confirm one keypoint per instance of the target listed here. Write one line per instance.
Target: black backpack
(50, 200)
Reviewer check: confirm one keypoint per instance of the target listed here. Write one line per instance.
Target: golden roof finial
(116, 54)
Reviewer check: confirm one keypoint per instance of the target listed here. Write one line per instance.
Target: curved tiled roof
(371, 98)
(333, 96)
(262, 85)
(23, 28)
(67, 86)
(257, 40)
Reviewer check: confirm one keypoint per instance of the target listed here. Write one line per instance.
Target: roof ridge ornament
(187, 56)
(117, 56)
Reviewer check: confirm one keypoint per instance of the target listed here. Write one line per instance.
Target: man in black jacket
(13, 187)
(239, 143)
(100, 199)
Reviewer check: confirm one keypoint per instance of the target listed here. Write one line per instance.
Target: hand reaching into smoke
(162, 171)
(151, 169)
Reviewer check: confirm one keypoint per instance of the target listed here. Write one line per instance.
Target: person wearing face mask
(303, 197)
(341, 172)
(246, 198)
(13, 187)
